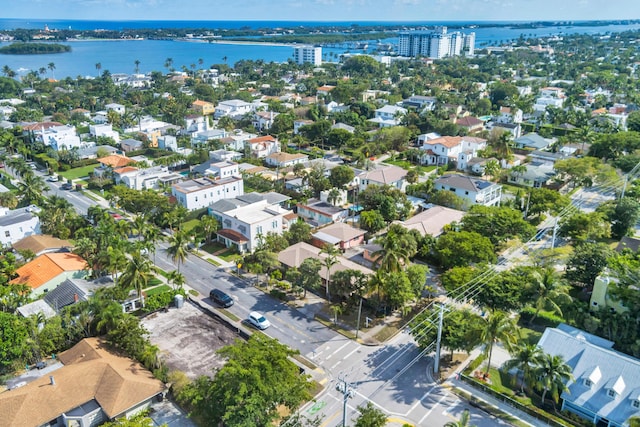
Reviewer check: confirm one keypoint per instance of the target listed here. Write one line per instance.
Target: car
(41, 365)
(220, 298)
(258, 320)
(67, 186)
(53, 178)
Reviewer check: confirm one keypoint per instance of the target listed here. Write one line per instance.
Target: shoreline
(256, 43)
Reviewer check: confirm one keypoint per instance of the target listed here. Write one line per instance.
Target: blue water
(119, 56)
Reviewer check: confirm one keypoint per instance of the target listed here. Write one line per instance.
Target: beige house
(294, 255)
(339, 234)
(432, 221)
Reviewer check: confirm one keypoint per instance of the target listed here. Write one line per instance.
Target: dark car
(221, 298)
(41, 365)
(67, 186)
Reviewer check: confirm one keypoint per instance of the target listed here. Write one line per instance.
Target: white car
(258, 320)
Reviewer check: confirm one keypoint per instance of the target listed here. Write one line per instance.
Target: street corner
(398, 422)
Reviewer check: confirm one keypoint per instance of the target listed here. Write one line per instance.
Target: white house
(118, 108)
(201, 192)
(105, 130)
(549, 96)
(282, 160)
(18, 223)
(223, 169)
(262, 146)
(388, 116)
(234, 108)
(143, 179)
(236, 140)
(473, 190)
(297, 124)
(509, 115)
(383, 175)
(263, 120)
(60, 137)
(195, 123)
(246, 219)
(421, 102)
(100, 117)
(445, 149)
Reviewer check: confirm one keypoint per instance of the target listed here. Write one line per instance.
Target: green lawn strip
(229, 314)
(78, 172)
(489, 408)
(210, 261)
(157, 290)
(336, 328)
(386, 332)
(230, 255)
(90, 195)
(212, 247)
(304, 361)
(529, 335)
(190, 225)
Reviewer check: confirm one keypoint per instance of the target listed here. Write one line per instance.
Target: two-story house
(194, 123)
(145, 179)
(283, 160)
(246, 219)
(201, 192)
(382, 175)
(509, 115)
(18, 223)
(473, 190)
(320, 213)
(60, 137)
(445, 149)
(388, 116)
(263, 120)
(420, 102)
(549, 97)
(47, 271)
(297, 124)
(203, 108)
(118, 108)
(234, 108)
(262, 146)
(105, 130)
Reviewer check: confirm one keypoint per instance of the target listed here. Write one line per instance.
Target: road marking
(434, 407)
(343, 359)
(316, 407)
(343, 346)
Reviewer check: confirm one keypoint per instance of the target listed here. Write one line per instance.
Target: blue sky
(323, 10)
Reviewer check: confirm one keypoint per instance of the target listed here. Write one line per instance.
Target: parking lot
(188, 339)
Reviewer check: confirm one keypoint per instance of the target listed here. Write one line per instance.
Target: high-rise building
(307, 54)
(435, 44)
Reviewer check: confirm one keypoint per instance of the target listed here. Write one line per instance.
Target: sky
(323, 10)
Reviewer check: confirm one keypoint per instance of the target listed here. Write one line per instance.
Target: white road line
(343, 346)
(434, 407)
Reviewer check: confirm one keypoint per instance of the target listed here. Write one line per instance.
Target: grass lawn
(76, 173)
(400, 163)
(157, 290)
(529, 335)
(212, 247)
(210, 261)
(190, 225)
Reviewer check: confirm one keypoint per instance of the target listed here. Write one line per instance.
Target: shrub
(544, 319)
(277, 293)
(163, 299)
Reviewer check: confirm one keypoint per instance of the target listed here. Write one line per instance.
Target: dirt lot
(188, 339)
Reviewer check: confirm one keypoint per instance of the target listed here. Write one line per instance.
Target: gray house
(531, 141)
(606, 385)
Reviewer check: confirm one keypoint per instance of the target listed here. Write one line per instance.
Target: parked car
(41, 365)
(258, 320)
(220, 298)
(53, 178)
(67, 186)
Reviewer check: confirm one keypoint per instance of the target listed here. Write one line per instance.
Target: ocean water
(120, 56)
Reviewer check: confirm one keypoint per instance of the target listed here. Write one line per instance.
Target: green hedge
(161, 300)
(544, 319)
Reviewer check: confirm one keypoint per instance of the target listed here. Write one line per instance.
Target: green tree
(525, 358)
(370, 416)
(298, 232)
(307, 276)
(548, 293)
(585, 226)
(544, 200)
(497, 327)
(137, 273)
(552, 374)
(178, 248)
(448, 199)
(464, 421)
(31, 190)
(13, 336)
(456, 249)
(498, 223)
(341, 176)
(257, 378)
(624, 217)
(330, 259)
(587, 262)
(398, 246)
(372, 221)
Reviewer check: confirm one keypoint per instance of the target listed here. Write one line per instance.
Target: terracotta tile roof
(201, 103)
(469, 121)
(261, 139)
(40, 242)
(44, 268)
(447, 141)
(232, 235)
(116, 161)
(326, 88)
(90, 372)
(125, 169)
(40, 126)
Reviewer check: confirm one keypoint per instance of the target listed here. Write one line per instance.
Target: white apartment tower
(436, 44)
(307, 54)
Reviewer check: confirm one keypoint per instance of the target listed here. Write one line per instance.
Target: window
(611, 393)
(588, 382)
(7, 234)
(636, 403)
(259, 229)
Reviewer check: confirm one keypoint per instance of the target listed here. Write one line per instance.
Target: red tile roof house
(47, 271)
(471, 124)
(341, 235)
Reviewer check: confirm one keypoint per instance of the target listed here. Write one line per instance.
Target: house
(118, 108)
(41, 243)
(470, 124)
(201, 192)
(341, 235)
(131, 144)
(536, 175)
(36, 308)
(262, 146)
(420, 102)
(204, 136)
(104, 130)
(283, 160)
(168, 142)
(432, 221)
(234, 108)
(343, 126)
(60, 137)
(605, 389)
(297, 124)
(600, 296)
(263, 120)
(549, 97)
(388, 116)
(94, 385)
(324, 90)
(217, 169)
(546, 157)
(531, 141)
(111, 162)
(144, 179)
(319, 213)
(224, 155)
(391, 175)
(457, 149)
(473, 190)
(195, 123)
(18, 223)
(236, 140)
(514, 129)
(247, 218)
(47, 271)
(92, 152)
(203, 108)
(509, 115)
(72, 291)
(294, 255)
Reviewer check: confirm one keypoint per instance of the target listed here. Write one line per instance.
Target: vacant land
(188, 339)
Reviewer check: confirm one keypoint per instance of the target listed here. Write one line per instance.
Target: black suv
(220, 298)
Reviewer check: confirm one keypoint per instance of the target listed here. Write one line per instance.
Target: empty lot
(188, 339)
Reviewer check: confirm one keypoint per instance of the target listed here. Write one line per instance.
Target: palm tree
(552, 375)
(137, 273)
(137, 64)
(397, 248)
(503, 144)
(208, 225)
(108, 316)
(51, 66)
(548, 291)
(464, 421)
(178, 249)
(334, 196)
(98, 68)
(498, 327)
(329, 261)
(525, 358)
(32, 189)
(492, 168)
(177, 279)
(168, 63)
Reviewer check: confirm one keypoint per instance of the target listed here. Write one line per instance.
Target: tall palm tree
(553, 374)
(137, 64)
(31, 189)
(177, 279)
(464, 420)
(137, 273)
(98, 68)
(549, 291)
(178, 249)
(107, 316)
(330, 259)
(500, 327)
(525, 358)
(51, 66)
(397, 247)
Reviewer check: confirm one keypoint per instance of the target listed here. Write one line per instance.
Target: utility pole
(555, 231)
(347, 391)
(436, 363)
(359, 313)
(526, 209)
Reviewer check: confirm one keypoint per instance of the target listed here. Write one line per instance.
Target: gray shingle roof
(587, 354)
